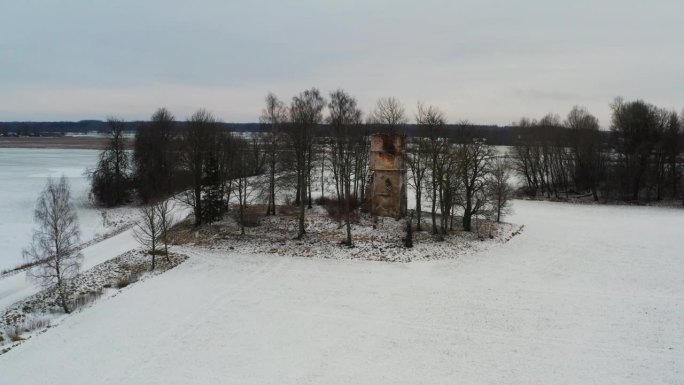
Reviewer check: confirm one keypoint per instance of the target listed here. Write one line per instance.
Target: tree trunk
(418, 209)
(302, 190)
(308, 178)
(243, 201)
(198, 205)
(166, 248)
(348, 217)
(322, 175)
(298, 193)
(270, 209)
(62, 295)
(434, 207)
(467, 214)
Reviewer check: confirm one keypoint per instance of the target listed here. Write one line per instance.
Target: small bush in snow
(85, 299)
(15, 334)
(335, 209)
(322, 201)
(250, 218)
(126, 280)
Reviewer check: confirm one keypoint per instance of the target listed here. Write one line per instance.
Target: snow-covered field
(23, 174)
(585, 295)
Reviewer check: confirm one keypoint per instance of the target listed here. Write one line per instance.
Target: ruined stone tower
(388, 172)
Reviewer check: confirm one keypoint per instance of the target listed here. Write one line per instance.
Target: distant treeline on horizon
(495, 135)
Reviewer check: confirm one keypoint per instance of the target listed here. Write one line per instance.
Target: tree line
(639, 160)
(453, 171)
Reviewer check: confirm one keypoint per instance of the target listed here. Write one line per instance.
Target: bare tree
(475, 165)
(672, 148)
(389, 113)
(148, 230)
(634, 126)
(361, 170)
(448, 185)
(164, 210)
(248, 163)
(306, 113)
(274, 115)
(241, 186)
(199, 148)
(431, 128)
(499, 191)
(418, 157)
(586, 149)
(345, 119)
(542, 155)
(54, 250)
(526, 155)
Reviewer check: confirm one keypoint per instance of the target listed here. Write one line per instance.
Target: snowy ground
(585, 295)
(23, 174)
(34, 315)
(379, 239)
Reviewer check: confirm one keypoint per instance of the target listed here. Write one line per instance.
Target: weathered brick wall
(388, 169)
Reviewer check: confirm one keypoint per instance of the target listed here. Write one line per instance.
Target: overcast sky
(490, 62)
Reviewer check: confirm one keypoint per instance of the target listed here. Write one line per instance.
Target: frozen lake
(23, 174)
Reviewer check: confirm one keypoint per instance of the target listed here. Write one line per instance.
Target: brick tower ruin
(388, 173)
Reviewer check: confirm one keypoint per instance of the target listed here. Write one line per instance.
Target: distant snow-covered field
(23, 174)
(586, 294)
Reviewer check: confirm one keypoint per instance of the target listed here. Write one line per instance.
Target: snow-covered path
(17, 287)
(586, 294)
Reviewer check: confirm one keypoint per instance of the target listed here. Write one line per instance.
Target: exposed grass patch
(336, 209)
(84, 299)
(251, 217)
(15, 334)
(125, 280)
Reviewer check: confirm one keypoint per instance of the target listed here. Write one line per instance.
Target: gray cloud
(486, 61)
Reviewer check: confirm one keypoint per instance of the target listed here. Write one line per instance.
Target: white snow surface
(23, 175)
(585, 295)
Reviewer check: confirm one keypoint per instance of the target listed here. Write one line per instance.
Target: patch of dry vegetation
(377, 240)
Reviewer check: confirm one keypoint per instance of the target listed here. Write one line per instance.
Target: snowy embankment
(586, 294)
(15, 287)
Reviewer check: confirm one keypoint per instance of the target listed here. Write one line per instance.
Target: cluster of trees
(197, 159)
(639, 159)
(111, 179)
(453, 172)
(461, 174)
(153, 228)
(451, 169)
(207, 165)
(54, 256)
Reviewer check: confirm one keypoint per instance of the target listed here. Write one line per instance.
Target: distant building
(388, 172)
